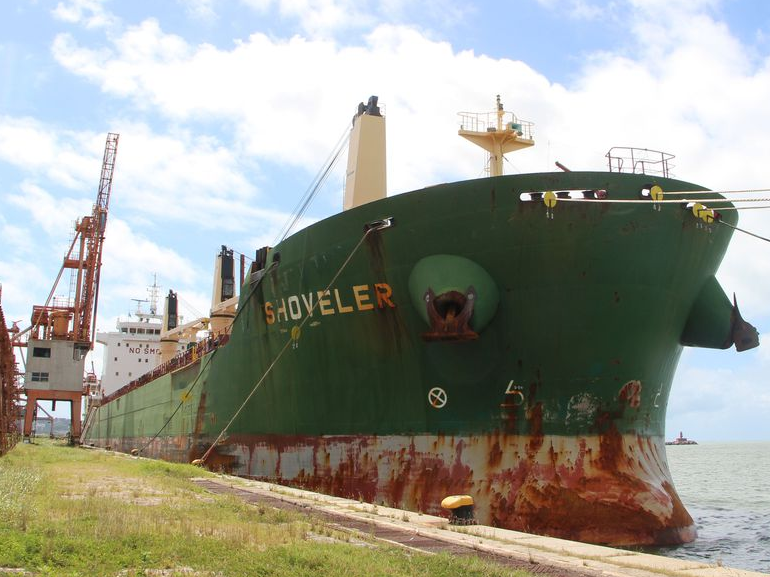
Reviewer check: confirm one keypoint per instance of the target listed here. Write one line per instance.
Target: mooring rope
(384, 224)
(724, 208)
(185, 395)
(662, 201)
(183, 400)
(314, 187)
(744, 191)
(743, 230)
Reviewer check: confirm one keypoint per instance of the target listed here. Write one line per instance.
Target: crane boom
(86, 327)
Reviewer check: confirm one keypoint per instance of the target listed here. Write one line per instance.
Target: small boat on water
(681, 440)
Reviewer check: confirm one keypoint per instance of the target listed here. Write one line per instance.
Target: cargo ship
(511, 338)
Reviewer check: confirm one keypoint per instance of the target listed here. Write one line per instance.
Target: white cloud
(90, 13)
(258, 5)
(690, 87)
(131, 260)
(178, 176)
(319, 17)
(292, 123)
(17, 239)
(19, 278)
(70, 159)
(341, 18)
(720, 395)
(201, 9)
(51, 214)
(189, 178)
(579, 9)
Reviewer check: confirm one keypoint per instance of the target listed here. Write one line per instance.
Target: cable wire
(724, 208)
(314, 187)
(664, 201)
(744, 191)
(743, 231)
(200, 372)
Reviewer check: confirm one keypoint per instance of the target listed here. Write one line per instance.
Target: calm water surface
(726, 489)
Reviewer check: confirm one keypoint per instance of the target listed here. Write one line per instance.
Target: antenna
(153, 290)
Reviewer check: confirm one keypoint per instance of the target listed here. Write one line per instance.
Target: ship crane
(62, 330)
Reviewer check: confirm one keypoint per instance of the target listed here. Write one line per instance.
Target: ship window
(118, 344)
(124, 330)
(129, 374)
(116, 373)
(140, 360)
(132, 331)
(146, 360)
(79, 351)
(39, 377)
(42, 352)
(116, 358)
(140, 331)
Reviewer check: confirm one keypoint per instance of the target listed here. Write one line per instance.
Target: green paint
(595, 297)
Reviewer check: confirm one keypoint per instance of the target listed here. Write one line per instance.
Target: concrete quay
(536, 553)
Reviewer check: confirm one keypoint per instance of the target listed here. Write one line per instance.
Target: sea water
(726, 489)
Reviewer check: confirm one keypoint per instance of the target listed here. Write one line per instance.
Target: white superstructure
(134, 348)
(130, 351)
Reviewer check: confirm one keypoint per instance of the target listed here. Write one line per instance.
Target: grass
(70, 511)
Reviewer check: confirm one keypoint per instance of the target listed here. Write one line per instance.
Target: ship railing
(180, 361)
(639, 161)
(488, 122)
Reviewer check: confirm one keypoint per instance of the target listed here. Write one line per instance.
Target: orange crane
(62, 330)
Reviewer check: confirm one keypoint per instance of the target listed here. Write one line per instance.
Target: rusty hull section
(611, 489)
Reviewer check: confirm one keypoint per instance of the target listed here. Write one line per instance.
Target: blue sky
(227, 109)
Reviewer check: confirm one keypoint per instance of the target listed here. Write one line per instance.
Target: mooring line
(374, 227)
(745, 191)
(208, 361)
(181, 402)
(662, 201)
(724, 208)
(743, 230)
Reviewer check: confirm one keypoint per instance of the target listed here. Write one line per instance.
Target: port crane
(61, 331)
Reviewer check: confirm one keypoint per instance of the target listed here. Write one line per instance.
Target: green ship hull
(473, 340)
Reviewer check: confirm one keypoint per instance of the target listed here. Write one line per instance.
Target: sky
(226, 111)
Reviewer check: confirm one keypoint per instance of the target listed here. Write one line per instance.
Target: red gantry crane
(62, 330)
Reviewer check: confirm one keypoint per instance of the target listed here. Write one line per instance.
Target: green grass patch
(70, 511)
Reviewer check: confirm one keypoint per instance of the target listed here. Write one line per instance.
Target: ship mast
(497, 132)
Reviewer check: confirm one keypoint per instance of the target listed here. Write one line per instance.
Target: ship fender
(455, 296)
